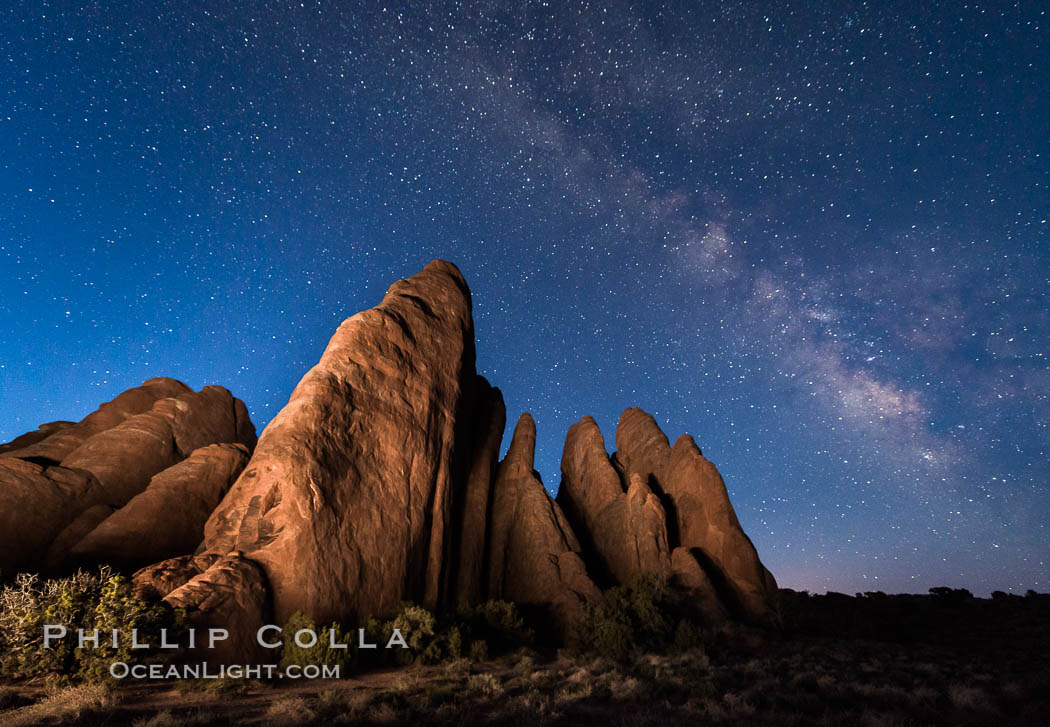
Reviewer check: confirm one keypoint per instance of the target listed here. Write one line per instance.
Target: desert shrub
(322, 652)
(416, 624)
(532, 705)
(479, 651)
(288, 711)
(68, 704)
(497, 624)
(486, 685)
(83, 601)
(477, 633)
(688, 636)
(645, 615)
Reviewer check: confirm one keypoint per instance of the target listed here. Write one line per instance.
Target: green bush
(645, 615)
(416, 625)
(478, 633)
(84, 601)
(497, 625)
(321, 652)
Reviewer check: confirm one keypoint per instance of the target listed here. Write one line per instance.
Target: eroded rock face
(700, 516)
(66, 476)
(688, 574)
(64, 437)
(534, 556)
(36, 504)
(73, 533)
(473, 520)
(160, 579)
(29, 438)
(125, 457)
(641, 446)
(231, 594)
(625, 530)
(379, 482)
(167, 519)
(346, 503)
(706, 520)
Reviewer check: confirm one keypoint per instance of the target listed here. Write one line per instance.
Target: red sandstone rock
(40, 434)
(73, 533)
(346, 503)
(706, 520)
(641, 447)
(160, 579)
(167, 518)
(55, 447)
(688, 574)
(473, 519)
(534, 557)
(106, 459)
(36, 504)
(627, 531)
(125, 457)
(700, 515)
(232, 595)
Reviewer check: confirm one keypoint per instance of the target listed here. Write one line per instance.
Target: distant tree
(945, 594)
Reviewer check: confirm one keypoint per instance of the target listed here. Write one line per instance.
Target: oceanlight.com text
(122, 670)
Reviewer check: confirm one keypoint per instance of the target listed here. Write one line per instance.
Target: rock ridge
(378, 482)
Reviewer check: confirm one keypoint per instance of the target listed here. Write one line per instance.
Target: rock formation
(126, 456)
(167, 518)
(701, 518)
(53, 442)
(54, 489)
(534, 556)
(36, 504)
(654, 508)
(347, 501)
(625, 528)
(379, 482)
(471, 535)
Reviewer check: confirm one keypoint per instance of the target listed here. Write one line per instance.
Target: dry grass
(160, 719)
(484, 685)
(782, 681)
(288, 711)
(62, 707)
(383, 714)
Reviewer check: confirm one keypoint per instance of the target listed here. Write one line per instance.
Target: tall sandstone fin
(534, 557)
(347, 500)
(707, 520)
(701, 519)
(623, 533)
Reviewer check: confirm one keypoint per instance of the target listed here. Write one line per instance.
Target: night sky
(816, 239)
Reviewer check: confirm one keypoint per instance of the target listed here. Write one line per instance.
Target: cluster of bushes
(106, 602)
(476, 633)
(647, 615)
(81, 602)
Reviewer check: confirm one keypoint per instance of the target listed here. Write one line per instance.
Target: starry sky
(812, 235)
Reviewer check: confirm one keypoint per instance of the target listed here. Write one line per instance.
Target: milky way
(817, 240)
